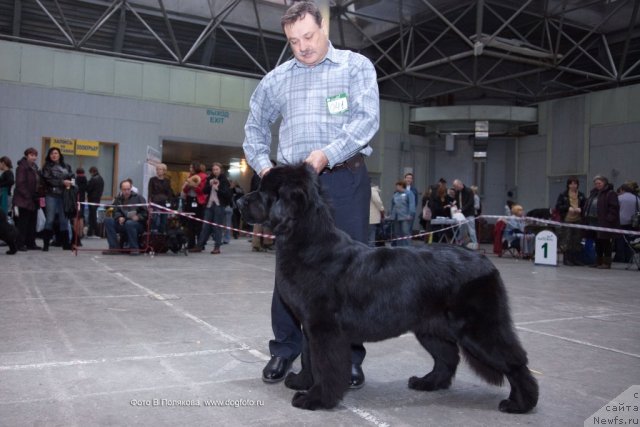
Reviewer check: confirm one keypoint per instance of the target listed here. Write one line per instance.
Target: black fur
(8, 233)
(345, 292)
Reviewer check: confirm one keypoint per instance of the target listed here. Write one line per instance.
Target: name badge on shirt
(338, 104)
(194, 204)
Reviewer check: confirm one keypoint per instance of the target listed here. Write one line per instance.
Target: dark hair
(298, 11)
(573, 179)
(93, 170)
(6, 161)
(61, 161)
(196, 166)
(624, 187)
(80, 171)
(30, 150)
(402, 183)
(407, 174)
(129, 180)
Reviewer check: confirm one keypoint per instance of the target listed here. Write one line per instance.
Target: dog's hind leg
(490, 345)
(445, 357)
(329, 356)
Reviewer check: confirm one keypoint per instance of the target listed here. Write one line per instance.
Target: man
(464, 202)
(408, 179)
(219, 197)
(95, 188)
(129, 219)
(329, 102)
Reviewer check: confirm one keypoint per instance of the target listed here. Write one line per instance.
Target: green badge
(338, 104)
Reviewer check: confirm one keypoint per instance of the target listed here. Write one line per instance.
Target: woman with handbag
(55, 175)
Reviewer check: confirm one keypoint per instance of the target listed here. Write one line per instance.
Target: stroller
(635, 247)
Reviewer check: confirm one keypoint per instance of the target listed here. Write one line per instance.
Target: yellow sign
(87, 148)
(66, 146)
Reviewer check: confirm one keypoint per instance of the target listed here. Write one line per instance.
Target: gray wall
(48, 92)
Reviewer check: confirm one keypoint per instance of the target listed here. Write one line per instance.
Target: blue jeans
(54, 206)
(402, 228)
(159, 221)
(214, 214)
(131, 229)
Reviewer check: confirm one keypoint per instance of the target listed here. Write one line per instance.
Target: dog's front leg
(329, 353)
(303, 380)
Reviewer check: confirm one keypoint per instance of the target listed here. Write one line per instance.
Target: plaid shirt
(301, 96)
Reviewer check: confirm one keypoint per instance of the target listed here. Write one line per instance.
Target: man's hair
(298, 11)
(407, 174)
(30, 150)
(126, 180)
(93, 170)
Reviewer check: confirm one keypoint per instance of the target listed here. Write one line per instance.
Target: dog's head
(285, 196)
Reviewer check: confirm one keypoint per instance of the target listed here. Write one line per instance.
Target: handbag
(426, 212)
(635, 218)
(41, 220)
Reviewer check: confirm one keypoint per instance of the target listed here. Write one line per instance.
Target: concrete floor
(120, 340)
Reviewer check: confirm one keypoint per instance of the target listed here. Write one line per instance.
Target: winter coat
(224, 189)
(123, 210)
(564, 203)
(25, 194)
(608, 210)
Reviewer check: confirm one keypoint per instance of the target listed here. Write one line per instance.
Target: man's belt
(352, 164)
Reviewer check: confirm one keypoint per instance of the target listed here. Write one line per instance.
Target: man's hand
(318, 160)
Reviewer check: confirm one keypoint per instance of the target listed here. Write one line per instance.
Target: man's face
(125, 188)
(408, 179)
(308, 40)
(457, 185)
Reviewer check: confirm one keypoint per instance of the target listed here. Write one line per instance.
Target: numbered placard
(546, 248)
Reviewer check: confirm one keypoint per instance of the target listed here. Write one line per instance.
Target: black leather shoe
(357, 377)
(276, 369)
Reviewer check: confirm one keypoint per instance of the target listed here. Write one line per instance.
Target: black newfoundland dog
(345, 292)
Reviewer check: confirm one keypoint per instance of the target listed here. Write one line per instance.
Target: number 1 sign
(546, 248)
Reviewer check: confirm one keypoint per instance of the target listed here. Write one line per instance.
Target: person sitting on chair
(514, 232)
(128, 221)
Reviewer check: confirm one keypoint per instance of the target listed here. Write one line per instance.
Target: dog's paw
(512, 407)
(299, 381)
(428, 383)
(303, 400)
(12, 251)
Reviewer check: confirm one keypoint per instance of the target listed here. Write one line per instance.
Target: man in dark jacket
(95, 188)
(464, 202)
(129, 219)
(219, 194)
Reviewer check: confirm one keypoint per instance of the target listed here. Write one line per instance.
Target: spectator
(514, 232)
(25, 198)
(569, 206)
(629, 204)
(218, 192)
(160, 193)
(602, 210)
(464, 198)
(402, 210)
(236, 193)
(6, 182)
(95, 188)
(195, 199)
(376, 214)
(127, 221)
(56, 175)
(408, 179)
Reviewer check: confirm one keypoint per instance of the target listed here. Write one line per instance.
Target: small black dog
(176, 237)
(9, 233)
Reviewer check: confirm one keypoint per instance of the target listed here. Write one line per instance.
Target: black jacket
(53, 175)
(563, 203)
(466, 204)
(7, 180)
(95, 188)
